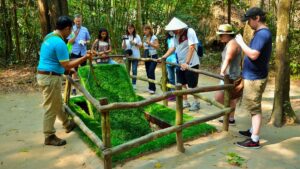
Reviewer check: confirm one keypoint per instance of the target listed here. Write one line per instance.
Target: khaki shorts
(250, 102)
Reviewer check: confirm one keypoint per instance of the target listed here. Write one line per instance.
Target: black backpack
(200, 49)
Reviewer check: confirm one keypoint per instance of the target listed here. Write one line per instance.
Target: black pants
(150, 70)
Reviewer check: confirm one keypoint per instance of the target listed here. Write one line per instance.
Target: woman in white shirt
(150, 44)
(132, 41)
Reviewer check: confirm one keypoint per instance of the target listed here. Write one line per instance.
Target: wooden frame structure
(104, 108)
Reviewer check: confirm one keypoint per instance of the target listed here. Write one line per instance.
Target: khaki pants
(250, 102)
(53, 103)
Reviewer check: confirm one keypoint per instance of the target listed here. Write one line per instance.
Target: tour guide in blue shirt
(54, 60)
(255, 73)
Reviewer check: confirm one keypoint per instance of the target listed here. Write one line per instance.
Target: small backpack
(199, 49)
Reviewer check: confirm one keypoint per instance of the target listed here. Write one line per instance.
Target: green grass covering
(126, 124)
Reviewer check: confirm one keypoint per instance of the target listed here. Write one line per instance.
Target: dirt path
(21, 140)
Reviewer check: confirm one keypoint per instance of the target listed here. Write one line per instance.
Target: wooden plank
(179, 119)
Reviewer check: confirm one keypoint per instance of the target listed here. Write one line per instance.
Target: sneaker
(74, 92)
(134, 87)
(54, 141)
(246, 133)
(172, 98)
(186, 105)
(231, 122)
(151, 91)
(71, 126)
(195, 106)
(248, 143)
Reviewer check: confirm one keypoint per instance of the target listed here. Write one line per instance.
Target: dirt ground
(21, 139)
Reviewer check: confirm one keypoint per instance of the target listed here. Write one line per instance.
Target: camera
(124, 37)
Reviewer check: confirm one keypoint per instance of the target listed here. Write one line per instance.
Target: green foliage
(234, 159)
(126, 124)
(294, 50)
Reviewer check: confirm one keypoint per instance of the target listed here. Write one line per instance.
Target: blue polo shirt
(83, 34)
(53, 51)
(258, 69)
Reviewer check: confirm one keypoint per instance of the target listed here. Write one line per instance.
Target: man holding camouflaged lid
(54, 60)
(255, 73)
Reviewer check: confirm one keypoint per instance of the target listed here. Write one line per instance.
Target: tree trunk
(248, 32)
(282, 111)
(49, 11)
(139, 23)
(6, 25)
(229, 12)
(16, 31)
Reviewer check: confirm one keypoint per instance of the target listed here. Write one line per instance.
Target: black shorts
(188, 77)
(74, 56)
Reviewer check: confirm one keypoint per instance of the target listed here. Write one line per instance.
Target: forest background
(21, 32)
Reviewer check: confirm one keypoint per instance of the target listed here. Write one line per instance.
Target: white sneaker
(186, 105)
(195, 106)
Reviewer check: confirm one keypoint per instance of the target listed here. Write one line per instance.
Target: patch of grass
(128, 124)
(234, 159)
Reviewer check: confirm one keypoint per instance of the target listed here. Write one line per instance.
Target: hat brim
(174, 28)
(245, 18)
(225, 33)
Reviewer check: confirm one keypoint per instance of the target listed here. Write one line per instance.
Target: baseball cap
(255, 11)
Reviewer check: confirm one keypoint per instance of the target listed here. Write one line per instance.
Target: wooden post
(226, 103)
(179, 120)
(105, 126)
(128, 65)
(67, 92)
(164, 79)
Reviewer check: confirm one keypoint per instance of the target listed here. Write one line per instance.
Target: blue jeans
(134, 65)
(150, 70)
(171, 74)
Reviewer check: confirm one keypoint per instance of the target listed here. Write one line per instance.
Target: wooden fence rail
(104, 108)
(160, 133)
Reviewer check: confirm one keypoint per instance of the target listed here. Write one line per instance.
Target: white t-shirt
(135, 50)
(152, 50)
(183, 47)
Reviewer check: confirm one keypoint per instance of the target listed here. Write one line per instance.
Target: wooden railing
(104, 108)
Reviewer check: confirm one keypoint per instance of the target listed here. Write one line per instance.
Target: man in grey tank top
(231, 63)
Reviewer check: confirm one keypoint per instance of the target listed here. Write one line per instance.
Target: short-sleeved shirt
(135, 50)
(182, 44)
(82, 35)
(152, 50)
(102, 46)
(258, 69)
(53, 51)
(172, 58)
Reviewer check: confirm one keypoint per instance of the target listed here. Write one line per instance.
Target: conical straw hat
(175, 24)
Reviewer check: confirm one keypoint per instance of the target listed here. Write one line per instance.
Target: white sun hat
(175, 24)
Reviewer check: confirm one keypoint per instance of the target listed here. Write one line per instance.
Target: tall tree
(282, 111)
(229, 12)
(139, 16)
(49, 11)
(6, 25)
(16, 30)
